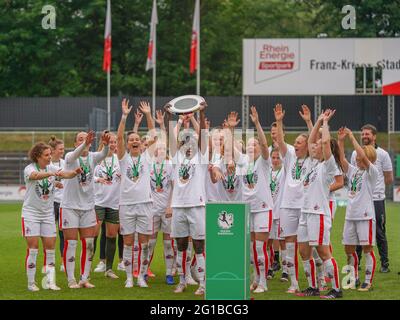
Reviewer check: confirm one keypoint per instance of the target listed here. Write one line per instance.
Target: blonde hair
(370, 152)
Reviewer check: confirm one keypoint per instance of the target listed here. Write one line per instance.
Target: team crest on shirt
(310, 177)
(316, 207)
(186, 172)
(27, 230)
(44, 190)
(225, 220)
(134, 175)
(160, 184)
(250, 180)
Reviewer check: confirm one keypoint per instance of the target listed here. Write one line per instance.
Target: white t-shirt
(107, 195)
(316, 186)
(79, 191)
(135, 183)
(383, 163)
(212, 188)
(296, 170)
(161, 184)
(189, 180)
(361, 184)
(338, 172)
(58, 192)
(231, 187)
(256, 185)
(39, 196)
(277, 183)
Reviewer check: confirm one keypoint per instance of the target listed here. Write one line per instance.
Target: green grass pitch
(13, 278)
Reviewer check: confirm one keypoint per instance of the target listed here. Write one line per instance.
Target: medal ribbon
(45, 181)
(135, 168)
(159, 175)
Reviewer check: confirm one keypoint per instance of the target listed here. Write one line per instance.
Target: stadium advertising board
(318, 66)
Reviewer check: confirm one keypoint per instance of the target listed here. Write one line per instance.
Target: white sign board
(396, 193)
(317, 66)
(12, 193)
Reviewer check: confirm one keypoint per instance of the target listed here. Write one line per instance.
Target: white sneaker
(194, 274)
(190, 281)
(86, 284)
(110, 274)
(129, 283)
(121, 266)
(142, 283)
(293, 289)
(49, 282)
(260, 289)
(180, 288)
(200, 291)
(101, 267)
(33, 287)
(253, 286)
(73, 285)
(53, 286)
(62, 269)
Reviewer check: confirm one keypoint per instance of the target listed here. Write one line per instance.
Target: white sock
(370, 265)
(127, 255)
(168, 256)
(332, 272)
(253, 258)
(152, 245)
(69, 258)
(86, 257)
(136, 253)
(175, 248)
(352, 260)
(50, 258)
(319, 264)
(30, 264)
(291, 260)
(144, 259)
(181, 266)
(309, 270)
(189, 257)
(201, 266)
(284, 262)
(262, 261)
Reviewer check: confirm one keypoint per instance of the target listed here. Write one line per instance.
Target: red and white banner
(107, 40)
(195, 38)
(151, 56)
(318, 66)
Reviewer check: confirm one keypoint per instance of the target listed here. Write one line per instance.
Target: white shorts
(332, 207)
(289, 219)
(189, 222)
(275, 233)
(45, 227)
(161, 223)
(359, 232)
(261, 221)
(314, 229)
(73, 219)
(136, 218)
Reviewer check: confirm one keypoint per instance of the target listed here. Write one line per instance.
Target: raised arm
(360, 151)
(145, 108)
(260, 132)
(306, 115)
(341, 137)
(126, 109)
(203, 141)
(195, 124)
(101, 155)
(313, 137)
(138, 120)
(279, 115)
(326, 136)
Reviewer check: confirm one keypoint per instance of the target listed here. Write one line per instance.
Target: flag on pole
(195, 37)
(151, 57)
(107, 40)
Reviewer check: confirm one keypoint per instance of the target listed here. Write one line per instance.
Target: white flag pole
(198, 49)
(108, 101)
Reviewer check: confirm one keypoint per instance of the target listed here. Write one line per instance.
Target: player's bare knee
(198, 246)
(182, 243)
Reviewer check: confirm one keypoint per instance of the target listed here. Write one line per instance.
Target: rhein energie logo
(225, 220)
